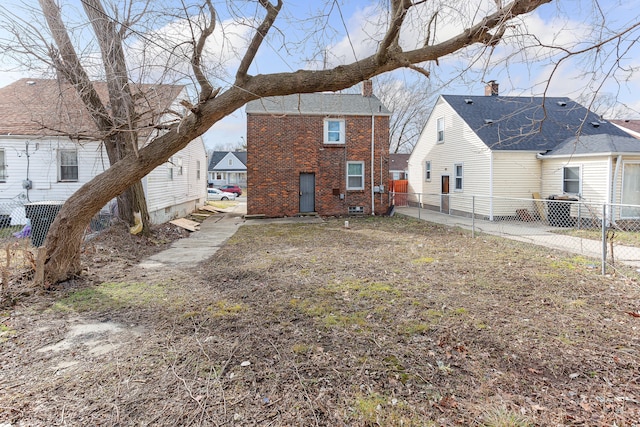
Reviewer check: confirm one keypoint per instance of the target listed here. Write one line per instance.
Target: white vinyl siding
(594, 176)
(462, 146)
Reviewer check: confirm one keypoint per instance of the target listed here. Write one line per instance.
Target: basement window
(356, 210)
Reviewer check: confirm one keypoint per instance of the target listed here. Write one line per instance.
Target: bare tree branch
(261, 32)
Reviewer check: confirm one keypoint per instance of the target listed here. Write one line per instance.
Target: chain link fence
(608, 235)
(24, 227)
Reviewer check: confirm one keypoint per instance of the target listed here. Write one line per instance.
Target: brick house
(323, 153)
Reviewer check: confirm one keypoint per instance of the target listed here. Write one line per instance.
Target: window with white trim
(571, 179)
(427, 170)
(3, 167)
(334, 131)
(198, 169)
(68, 165)
(355, 175)
(630, 190)
(170, 168)
(179, 165)
(457, 179)
(440, 128)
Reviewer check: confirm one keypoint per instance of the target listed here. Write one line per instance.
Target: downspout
(373, 134)
(612, 187)
(490, 185)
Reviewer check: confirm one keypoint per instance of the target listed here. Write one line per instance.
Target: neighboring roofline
(573, 155)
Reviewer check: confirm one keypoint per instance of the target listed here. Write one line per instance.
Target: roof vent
(562, 103)
(488, 121)
(30, 82)
(595, 124)
(468, 101)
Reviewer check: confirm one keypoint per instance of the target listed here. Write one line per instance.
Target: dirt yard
(392, 322)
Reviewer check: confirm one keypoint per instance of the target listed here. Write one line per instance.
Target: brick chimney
(491, 89)
(367, 88)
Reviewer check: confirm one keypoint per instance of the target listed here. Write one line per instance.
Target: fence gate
(307, 192)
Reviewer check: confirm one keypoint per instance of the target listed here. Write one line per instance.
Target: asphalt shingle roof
(591, 144)
(51, 107)
(217, 157)
(319, 104)
(528, 123)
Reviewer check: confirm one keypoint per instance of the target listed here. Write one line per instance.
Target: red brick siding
(280, 148)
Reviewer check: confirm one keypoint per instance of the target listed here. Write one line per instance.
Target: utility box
(41, 215)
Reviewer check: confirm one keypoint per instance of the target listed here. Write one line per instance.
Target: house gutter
(373, 134)
(490, 185)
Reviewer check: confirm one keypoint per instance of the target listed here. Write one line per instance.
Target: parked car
(231, 189)
(215, 194)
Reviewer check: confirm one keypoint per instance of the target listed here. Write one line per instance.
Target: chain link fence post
(419, 204)
(604, 239)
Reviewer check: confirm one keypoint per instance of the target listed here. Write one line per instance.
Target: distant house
(323, 153)
(516, 147)
(228, 167)
(398, 166)
(632, 127)
(48, 148)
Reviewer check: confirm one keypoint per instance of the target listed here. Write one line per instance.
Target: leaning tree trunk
(134, 200)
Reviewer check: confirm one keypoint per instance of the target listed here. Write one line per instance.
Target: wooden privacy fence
(399, 188)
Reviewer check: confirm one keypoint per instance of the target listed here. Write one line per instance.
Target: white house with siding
(475, 150)
(228, 167)
(48, 149)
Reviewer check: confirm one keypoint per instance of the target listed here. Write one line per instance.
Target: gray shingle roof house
(496, 146)
(228, 167)
(324, 153)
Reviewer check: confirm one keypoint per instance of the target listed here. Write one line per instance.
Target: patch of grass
(6, 332)
(222, 204)
(502, 417)
(8, 231)
(627, 238)
(363, 289)
(301, 348)
(423, 260)
(414, 328)
(572, 263)
(375, 409)
(113, 296)
(225, 308)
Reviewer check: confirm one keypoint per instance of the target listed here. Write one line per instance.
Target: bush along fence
(607, 234)
(24, 227)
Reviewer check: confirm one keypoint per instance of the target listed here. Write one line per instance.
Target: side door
(444, 194)
(307, 192)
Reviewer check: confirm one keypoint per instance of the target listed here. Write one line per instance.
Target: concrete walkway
(200, 245)
(534, 233)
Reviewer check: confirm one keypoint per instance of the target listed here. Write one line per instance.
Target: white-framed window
(440, 129)
(3, 167)
(68, 165)
(179, 166)
(218, 175)
(170, 168)
(630, 190)
(571, 179)
(427, 170)
(355, 175)
(334, 131)
(457, 177)
(198, 169)
(230, 161)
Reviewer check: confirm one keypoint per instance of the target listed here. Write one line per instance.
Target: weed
(111, 296)
(300, 348)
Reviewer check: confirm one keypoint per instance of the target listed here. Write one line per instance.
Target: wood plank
(186, 224)
(210, 209)
(539, 204)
